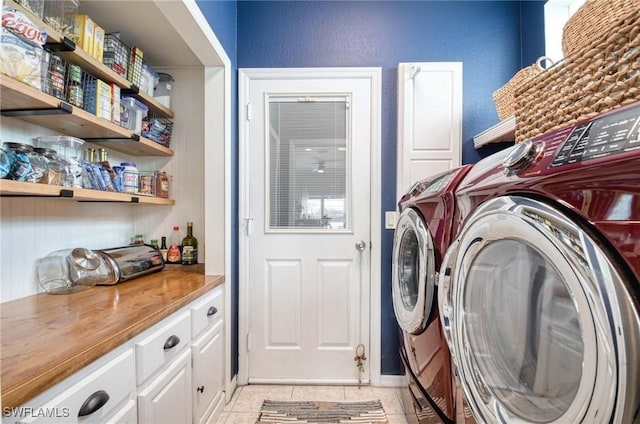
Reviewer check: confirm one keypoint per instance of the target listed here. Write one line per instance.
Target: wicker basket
(591, 20)
(505, 97)
(600, 78)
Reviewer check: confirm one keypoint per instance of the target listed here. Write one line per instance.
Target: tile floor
(247, 400)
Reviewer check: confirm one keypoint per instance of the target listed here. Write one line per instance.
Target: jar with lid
(5, 163)
(57, 168)
(75, 95)
(130, 177)
(19, 156)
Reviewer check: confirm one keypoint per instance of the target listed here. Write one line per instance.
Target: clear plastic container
(60, 15)
(69, 149)
(132, 112)
(162, 92)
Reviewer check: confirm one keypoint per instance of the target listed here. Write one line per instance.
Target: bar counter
(46, 338)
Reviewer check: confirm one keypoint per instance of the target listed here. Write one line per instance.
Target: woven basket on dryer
(505, 97)
(604, 76)
(591, 20)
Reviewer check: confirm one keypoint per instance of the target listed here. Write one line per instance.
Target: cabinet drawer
(95, 397)
(162, 345)
(207, 311)
(128, 414)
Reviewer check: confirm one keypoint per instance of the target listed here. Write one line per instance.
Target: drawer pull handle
(93, 403)
(200, 389)
(171, 342)
(212, 311)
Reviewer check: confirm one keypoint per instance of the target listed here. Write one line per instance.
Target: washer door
(539, 320)
(413, 273)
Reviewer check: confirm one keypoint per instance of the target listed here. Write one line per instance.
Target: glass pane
(524, 330)
(308, 171)
(409, 269)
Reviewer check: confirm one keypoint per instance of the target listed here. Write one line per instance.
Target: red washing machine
(423, 232)
(540, 292)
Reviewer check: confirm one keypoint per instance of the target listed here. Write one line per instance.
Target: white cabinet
(167, 398)
(207, 351)
(93, 398)
(207, 374)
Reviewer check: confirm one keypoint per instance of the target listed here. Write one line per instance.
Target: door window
(524, 330)
(409, 269)
(308, 157)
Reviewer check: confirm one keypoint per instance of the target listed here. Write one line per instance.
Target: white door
(307, 229)
(429, 120)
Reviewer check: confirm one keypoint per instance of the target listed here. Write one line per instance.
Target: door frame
(245, 76)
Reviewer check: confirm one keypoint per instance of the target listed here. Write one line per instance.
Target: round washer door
(413, 272)
(541, 324)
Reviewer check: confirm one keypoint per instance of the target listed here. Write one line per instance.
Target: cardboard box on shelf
(98, 42)
(84, 29)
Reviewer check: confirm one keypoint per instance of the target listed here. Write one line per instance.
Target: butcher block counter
(46, 338)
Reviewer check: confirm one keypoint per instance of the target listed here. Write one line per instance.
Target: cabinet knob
(171, 342)
(200, 389)
(212, 311)
(94, 402)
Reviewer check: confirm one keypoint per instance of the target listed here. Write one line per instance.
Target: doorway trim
(245, 76)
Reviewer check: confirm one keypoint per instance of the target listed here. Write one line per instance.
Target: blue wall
(493, 39)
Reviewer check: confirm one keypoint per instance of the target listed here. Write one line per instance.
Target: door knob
(361, 245)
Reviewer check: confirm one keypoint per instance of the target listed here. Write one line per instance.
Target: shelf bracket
(63, 193)
(134, 89)
(134, 137)
(134, 199)
(66, 45)
(63, 108)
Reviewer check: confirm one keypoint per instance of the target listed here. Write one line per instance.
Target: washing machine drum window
(541, 324)
(413, 276)
(524, 330)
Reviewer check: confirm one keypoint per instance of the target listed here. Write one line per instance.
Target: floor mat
(274, 411)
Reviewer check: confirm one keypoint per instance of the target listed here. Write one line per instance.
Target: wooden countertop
(45, 338)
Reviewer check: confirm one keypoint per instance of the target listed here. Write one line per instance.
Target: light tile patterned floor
(247, 400)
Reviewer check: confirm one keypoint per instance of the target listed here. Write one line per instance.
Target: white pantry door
(307, 231)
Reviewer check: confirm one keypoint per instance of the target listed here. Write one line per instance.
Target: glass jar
(19, 155)
(39, 166)
(57, 169)
(5, 163)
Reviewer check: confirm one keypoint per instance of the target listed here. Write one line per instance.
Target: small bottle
(163, 248)
(154, 243)
(173, 253)
(189, 247)
(130, 177)
(107, 172)
(138, 239)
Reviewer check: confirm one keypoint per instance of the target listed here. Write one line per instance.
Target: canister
(162, 92)
(130, 177)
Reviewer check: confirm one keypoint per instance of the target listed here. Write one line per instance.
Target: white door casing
(429, 120)
(308, 297)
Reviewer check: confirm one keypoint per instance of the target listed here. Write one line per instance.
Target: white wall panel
(282, 297)
(334, 300)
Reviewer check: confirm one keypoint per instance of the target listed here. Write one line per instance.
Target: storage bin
(162, 93)
(132, 112)
(157, 128)
(115, 53)
(150, 79)
(34, 6)
(60, 15)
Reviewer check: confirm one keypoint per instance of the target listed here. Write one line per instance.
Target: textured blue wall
(484, 35)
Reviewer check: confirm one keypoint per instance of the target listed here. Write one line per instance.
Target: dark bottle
(163, 248)
(189, 247)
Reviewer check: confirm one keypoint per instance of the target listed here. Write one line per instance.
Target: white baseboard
(393, 381)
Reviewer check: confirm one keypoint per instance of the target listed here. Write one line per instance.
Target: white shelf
(504, 130)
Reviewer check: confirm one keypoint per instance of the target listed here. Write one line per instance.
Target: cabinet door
(167, 398)
(207, 354)
(128, 414)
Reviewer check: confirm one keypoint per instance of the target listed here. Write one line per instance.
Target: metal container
(134, 260)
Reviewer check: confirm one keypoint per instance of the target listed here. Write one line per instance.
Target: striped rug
(273, 411)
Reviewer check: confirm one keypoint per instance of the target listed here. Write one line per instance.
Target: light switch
(390, 220)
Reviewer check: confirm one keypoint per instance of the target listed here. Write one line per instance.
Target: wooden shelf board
(154, 105)
(505, 130)
(16, 95)
(10, 187)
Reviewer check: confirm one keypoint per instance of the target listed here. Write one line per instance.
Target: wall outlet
(390, 218)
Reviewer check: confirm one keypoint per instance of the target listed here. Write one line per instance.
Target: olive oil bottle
(189, 247)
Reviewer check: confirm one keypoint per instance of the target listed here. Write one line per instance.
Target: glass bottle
(189, 247)
(173, 253)
(163, 248)
(107, 172)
